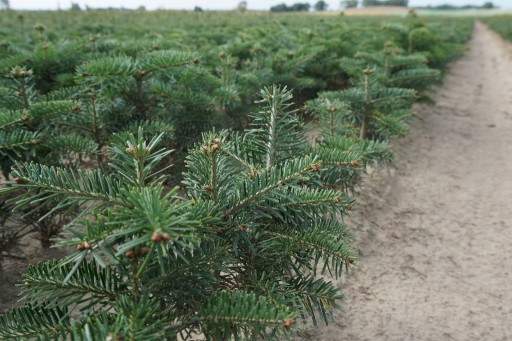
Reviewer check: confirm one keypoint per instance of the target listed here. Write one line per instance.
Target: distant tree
(368, 3)
(349, 3)
(75, 7)
(321, 6)
(4, 4)
(396, 3)
(279, 8)
(298, 7)
(242, 6)
(488, 5)
(301, 7)
(198, 9)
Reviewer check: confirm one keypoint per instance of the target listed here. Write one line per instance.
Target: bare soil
(435, 233)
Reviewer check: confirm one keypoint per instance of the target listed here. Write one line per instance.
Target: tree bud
(156, 237)
(288, 322)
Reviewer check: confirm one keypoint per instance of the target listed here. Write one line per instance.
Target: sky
(214, 4)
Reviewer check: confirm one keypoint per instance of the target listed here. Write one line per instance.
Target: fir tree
(238, 256)
(367, 110)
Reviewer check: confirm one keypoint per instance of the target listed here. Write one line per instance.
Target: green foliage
(257, 221)
(500, 24)
(368, 110)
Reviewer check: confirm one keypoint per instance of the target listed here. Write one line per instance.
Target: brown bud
(85, 74)
(241, 228)
(216, 141)
(20, 181)
(332, 109)
(315, 168)
(222, 54)
(354, 163)
(86, 245)
(367, 71)
(196, 61)
(337, 199)
(131, 151)
(80, 247)
(144, 250)
(215, 146)
(288, 322)
(204, 149)
(166, 237)
(256, 49)
(146, 150)
(156, 237)
(76, 107)
(129, 254)
(208, 188)
(17, 94)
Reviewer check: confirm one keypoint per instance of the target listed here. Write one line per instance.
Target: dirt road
(435, 235)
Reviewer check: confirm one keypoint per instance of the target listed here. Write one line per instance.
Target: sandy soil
(435, 234)
(32, 252)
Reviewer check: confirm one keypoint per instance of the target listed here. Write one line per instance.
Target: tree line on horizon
(306, 7)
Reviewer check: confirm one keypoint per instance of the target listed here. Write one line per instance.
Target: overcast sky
(214, 4)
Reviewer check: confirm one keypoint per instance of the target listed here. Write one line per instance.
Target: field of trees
(501, 24)
(196, 166)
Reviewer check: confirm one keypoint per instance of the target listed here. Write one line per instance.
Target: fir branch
(243, 315)
(324, 241)
(45, 183)
(45, 110)
(315, 295)
(277, 176)
(31, 321)
(12, 142)
(12, 118)
(46, 283)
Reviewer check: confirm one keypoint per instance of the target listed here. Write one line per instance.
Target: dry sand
(32, 252)
(435, 234)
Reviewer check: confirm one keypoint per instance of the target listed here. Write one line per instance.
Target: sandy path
(436, 234)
